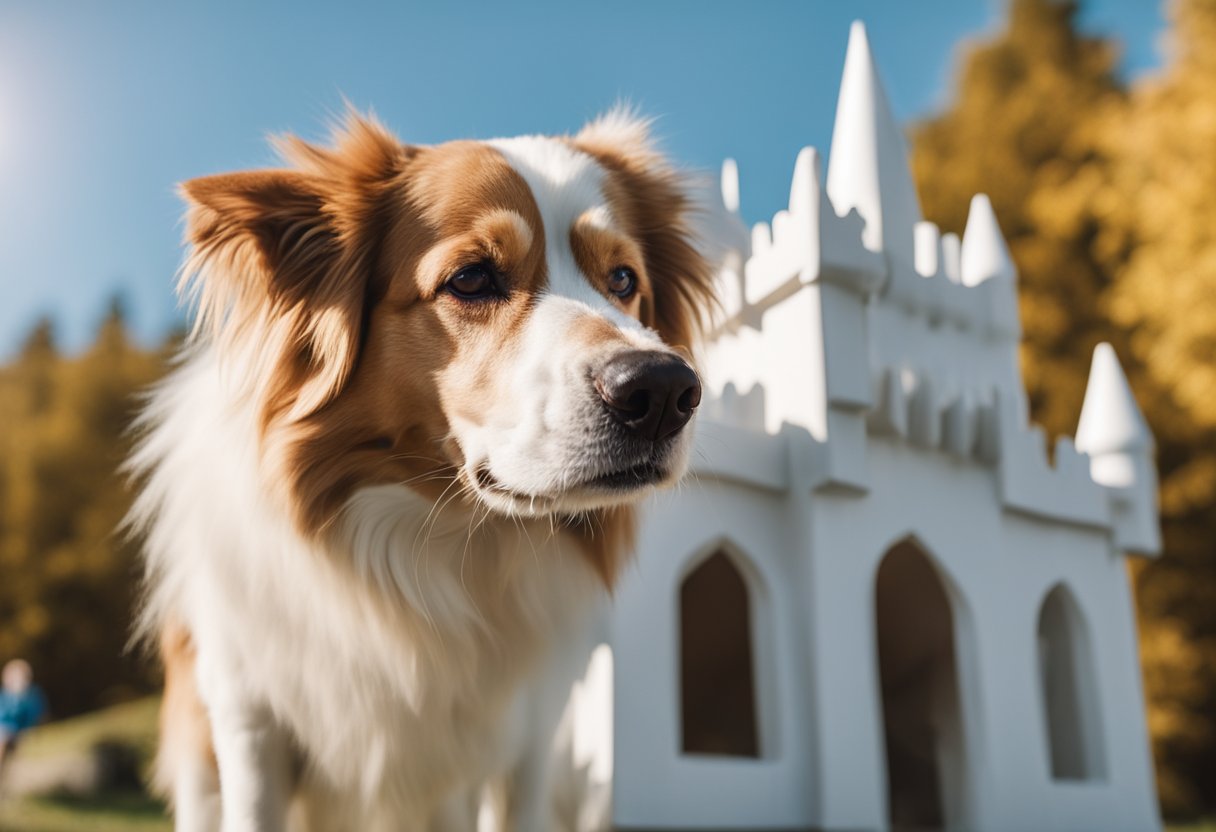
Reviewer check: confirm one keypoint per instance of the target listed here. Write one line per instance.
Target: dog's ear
(660, 204)
(282, 260)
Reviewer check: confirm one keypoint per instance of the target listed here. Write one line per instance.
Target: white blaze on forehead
(567, 184)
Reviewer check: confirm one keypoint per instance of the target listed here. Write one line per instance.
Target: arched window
(1070, 701)
(922, 721)
(717, 666)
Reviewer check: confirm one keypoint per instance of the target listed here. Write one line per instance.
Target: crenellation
(987, 433)
(1068, 462)
(762, 239)
(884, 414)
(924, 416)
(952, 257)
(889, 416)
(1030, 484)
(729, 185)
(959, 427)
(928, 249)
(858, 318)
(743, 410)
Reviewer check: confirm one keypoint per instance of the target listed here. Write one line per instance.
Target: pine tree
(68, 580)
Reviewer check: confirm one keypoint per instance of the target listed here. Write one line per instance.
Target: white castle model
(876, 604)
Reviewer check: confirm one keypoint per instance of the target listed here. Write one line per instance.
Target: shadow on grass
(124, 804)
(126, 811)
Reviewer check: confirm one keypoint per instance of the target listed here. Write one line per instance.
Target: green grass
(105, 813)
(133, 725)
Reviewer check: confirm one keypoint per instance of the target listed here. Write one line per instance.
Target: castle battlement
(850, 318)
(878, 602)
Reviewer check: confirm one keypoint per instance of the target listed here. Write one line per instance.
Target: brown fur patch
(607, 537)
(600, 251)
(676, 283)
(647, 196)
(292, 250)
(185, 730)
(426, 357)
(331, 273)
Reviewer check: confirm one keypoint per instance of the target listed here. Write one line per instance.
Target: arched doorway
(920, 698)
(1070, 696)
(717, 662)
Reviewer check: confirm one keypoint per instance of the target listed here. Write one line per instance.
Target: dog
(396, 462)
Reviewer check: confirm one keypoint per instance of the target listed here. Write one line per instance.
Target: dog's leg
(196, 797)
(252, 749)
(255, 768)
(185, 762)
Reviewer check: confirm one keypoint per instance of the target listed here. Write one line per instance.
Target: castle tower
(878, 603)
(1112, 431)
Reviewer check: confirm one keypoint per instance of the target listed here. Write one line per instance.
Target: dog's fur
(365, 500)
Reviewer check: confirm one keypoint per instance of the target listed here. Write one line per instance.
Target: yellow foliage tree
(1163, 192)
(1020, 130)
(1108, 198)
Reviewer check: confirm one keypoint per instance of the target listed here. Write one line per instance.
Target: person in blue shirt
(22, 705)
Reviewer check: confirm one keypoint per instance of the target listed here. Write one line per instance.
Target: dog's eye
(474, 283)
(623, 282)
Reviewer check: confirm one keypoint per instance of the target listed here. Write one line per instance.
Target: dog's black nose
(651, 393)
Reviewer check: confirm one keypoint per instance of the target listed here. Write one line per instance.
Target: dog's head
(513, 317)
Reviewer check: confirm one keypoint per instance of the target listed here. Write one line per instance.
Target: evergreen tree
(68, 582)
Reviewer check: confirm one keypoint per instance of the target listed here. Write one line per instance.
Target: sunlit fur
(371, 523)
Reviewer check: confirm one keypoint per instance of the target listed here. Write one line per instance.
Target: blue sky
(105, 106)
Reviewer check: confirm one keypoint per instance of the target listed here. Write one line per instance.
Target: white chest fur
(387, 655)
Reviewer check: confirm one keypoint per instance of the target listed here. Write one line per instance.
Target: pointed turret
(868, 169)
(1111, 421)
(1113, 432)
(952, 258)
(985, 255)
(730, 186)
(928, 248)
(804, 186)
(986, 260)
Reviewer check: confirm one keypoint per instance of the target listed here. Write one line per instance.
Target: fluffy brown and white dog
(395, 464)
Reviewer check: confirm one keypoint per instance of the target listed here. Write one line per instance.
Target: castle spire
(986, 260)
(1111, 421)
(730, 186)
(985, 255)
(868, 169)
(1120, 447)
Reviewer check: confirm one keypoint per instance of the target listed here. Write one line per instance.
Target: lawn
(132, 725)
(132, 812)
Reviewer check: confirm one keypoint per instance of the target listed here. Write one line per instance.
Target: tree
(1163, 193)
(1106, 198)
(1016, 132)
(69, 581)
